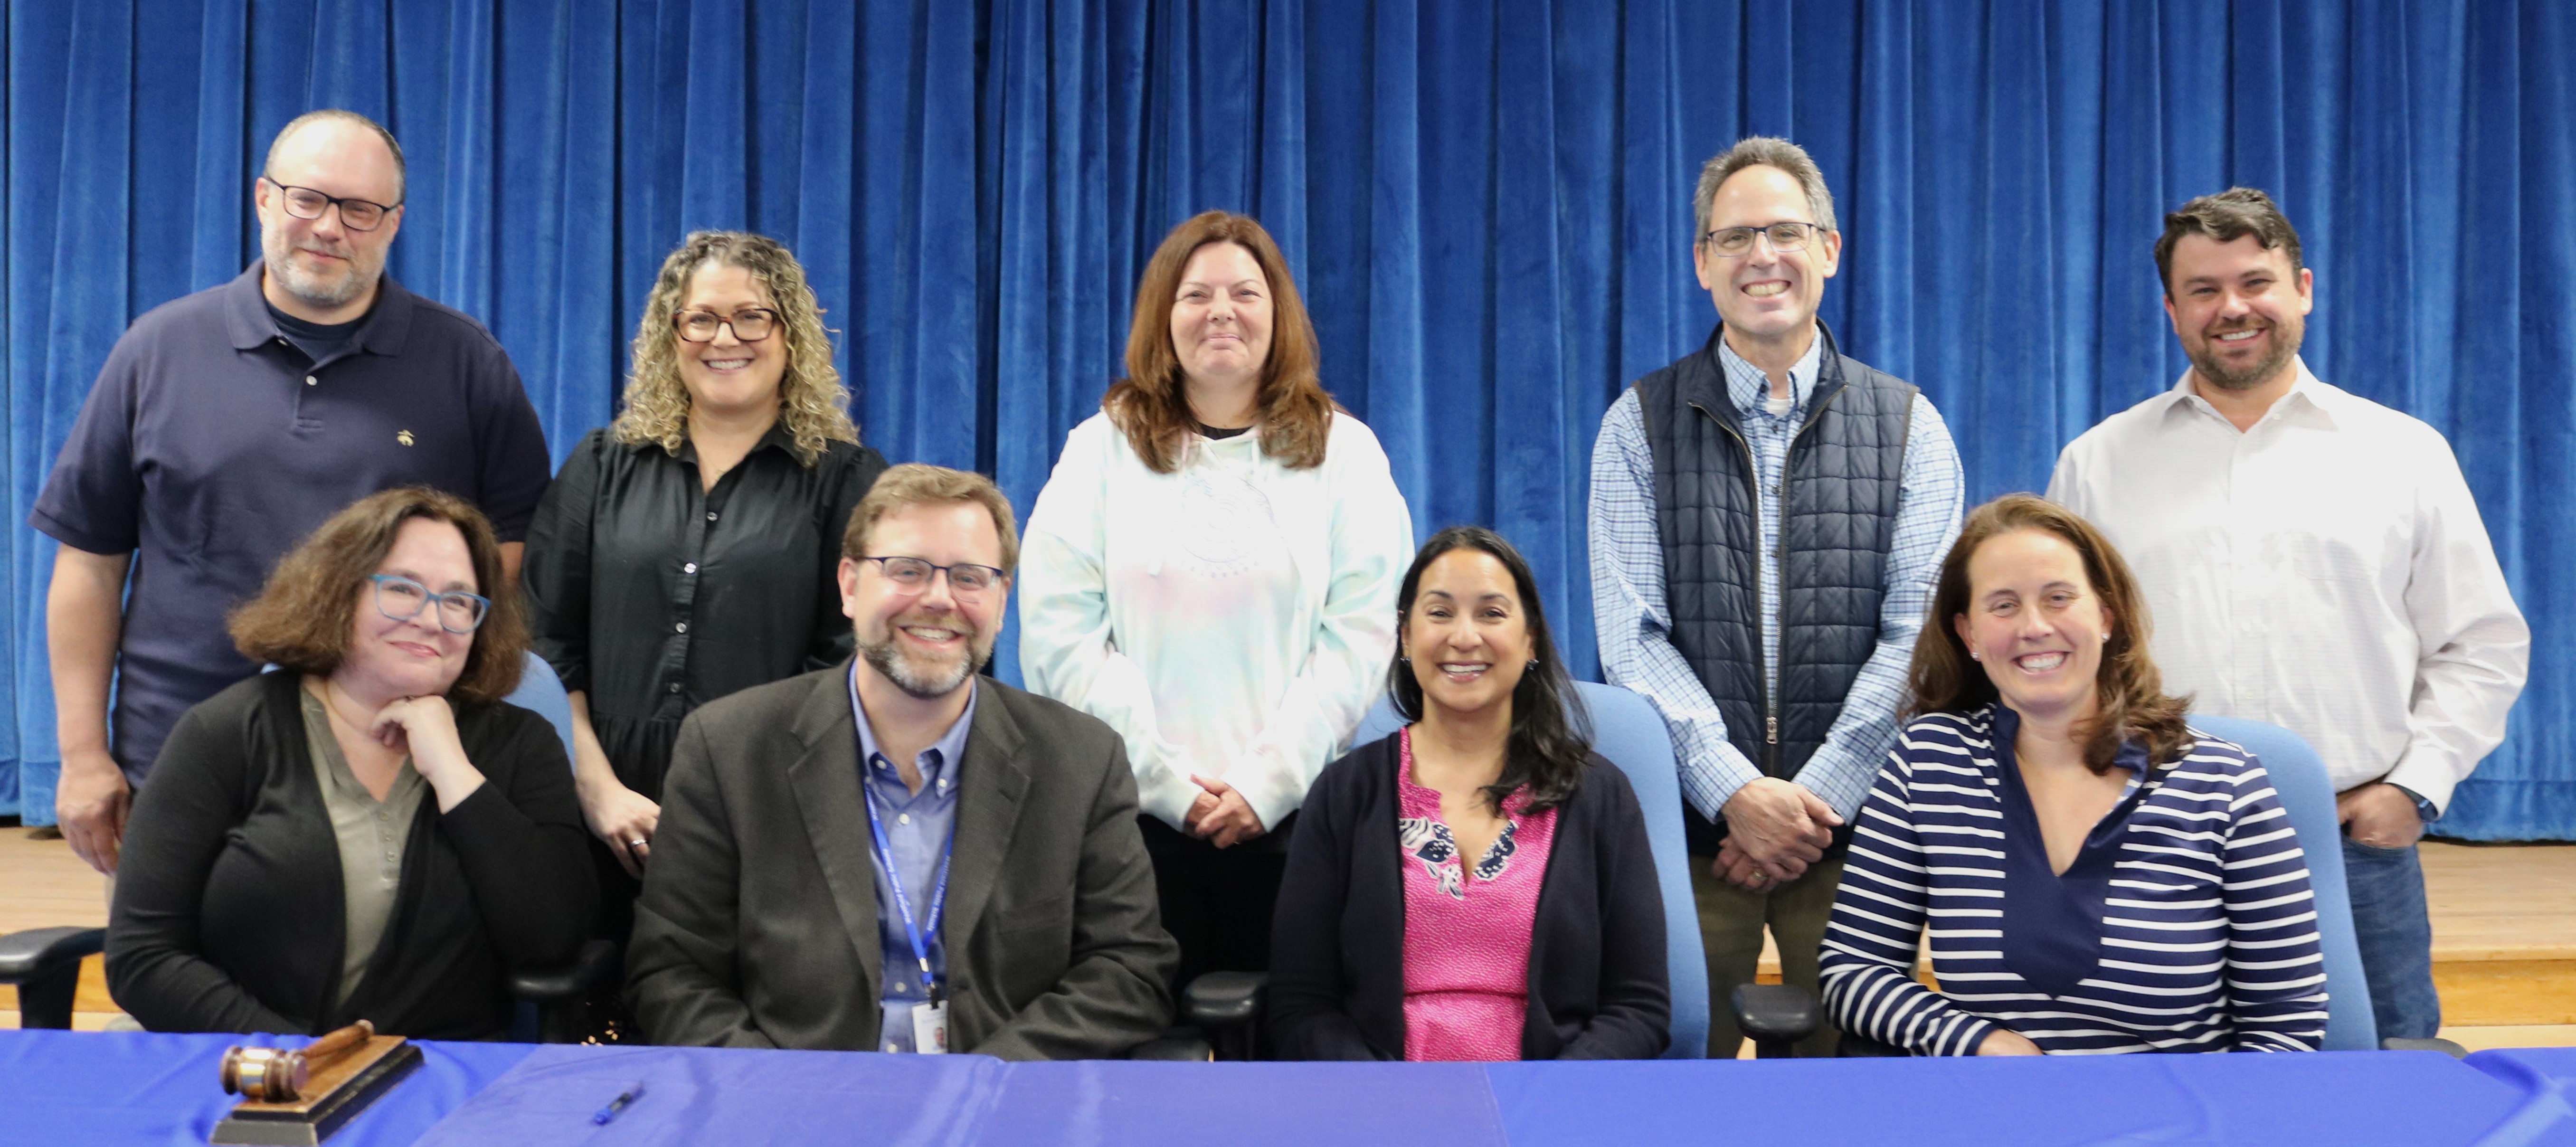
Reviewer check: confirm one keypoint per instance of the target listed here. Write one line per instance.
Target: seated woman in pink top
(1476, 886)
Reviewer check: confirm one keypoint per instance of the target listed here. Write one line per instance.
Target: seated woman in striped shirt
(2102, 878)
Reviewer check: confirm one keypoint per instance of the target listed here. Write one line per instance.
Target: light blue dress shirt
(917, 828)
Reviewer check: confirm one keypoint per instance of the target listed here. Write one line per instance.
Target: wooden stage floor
(2504, 933)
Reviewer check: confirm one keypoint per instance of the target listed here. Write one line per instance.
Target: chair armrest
(2444, 1046)
(1177, 1046)
(37, 952)
(1854, 1045)
(559, 983)
(1220, 1000)
(1776, 1016)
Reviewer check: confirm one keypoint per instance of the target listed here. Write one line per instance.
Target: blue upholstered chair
(558, 996)
(542, 693)
(2300, 777)
(1630, 734)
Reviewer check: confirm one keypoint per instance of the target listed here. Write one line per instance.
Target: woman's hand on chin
(425, 727)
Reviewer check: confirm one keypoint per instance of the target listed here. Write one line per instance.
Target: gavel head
(264, 1074)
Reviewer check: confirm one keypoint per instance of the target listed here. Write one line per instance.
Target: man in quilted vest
(1768, 515)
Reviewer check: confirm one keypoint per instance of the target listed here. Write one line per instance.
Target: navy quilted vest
(1838, 518)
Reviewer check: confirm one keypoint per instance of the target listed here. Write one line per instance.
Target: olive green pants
(1731, 921)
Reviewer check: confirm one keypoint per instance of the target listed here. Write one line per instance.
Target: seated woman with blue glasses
(2096, 875)
(1478, 885)
(367, 832)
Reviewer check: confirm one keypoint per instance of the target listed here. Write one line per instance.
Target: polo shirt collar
(384, 330)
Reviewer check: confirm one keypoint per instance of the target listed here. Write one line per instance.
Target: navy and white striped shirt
(2186, 924)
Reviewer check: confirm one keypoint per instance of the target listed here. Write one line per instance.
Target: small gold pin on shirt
(403, 436)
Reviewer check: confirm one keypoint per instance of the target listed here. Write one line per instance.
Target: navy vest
(1838, 518)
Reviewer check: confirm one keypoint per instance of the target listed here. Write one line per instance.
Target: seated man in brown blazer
(895, 854)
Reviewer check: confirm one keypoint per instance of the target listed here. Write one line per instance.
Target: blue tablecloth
(2547, 1079)
(697, 1096)
(159, 1089)
(144, 1088)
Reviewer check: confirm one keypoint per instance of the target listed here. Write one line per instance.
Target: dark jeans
(2396, 934)
(1217, 901)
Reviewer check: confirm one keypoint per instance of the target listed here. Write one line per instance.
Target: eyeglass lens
(1785, 238)
(914, 574)
(748, 326)
(403, 599)
(356, 214)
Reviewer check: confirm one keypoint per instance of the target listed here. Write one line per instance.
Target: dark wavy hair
(2129, 692)
(302, 619)
(1551, 739)
(1151, 406)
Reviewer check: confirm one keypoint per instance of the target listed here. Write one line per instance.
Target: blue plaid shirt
(1635, 622)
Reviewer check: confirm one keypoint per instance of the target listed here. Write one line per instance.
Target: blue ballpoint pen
(633, 1092)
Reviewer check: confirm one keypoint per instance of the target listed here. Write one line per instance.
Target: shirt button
(889, 1047)
(682, 627)
(675, 687)
(711, 515)
(903, 818)
(309, 380)
(692, 567)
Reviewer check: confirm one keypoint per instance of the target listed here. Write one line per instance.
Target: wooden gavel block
(299, 1097)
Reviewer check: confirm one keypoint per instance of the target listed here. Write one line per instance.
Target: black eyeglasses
(402, 599)
(749, 326)
(912, 575)
(1737, 242)
(355, 214)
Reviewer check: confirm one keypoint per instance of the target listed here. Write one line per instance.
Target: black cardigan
(1597, 986)
(229, 911)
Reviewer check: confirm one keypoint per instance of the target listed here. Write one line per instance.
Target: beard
(2286, 337)
(921, 677)
(321, 291)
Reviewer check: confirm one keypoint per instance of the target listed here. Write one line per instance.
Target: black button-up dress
(655, 595)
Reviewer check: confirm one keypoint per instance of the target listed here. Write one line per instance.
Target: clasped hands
(1220, 815)
(1774, 830)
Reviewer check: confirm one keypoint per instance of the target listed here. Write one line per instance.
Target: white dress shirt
(1232, 619)
(2325, 570)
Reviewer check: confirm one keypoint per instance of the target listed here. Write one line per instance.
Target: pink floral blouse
(1466, 931)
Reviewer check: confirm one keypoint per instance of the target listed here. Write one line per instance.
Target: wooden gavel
(269, 1075)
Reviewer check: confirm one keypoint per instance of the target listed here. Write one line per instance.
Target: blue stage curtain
(1487, 205)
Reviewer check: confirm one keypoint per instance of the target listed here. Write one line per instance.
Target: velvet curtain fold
(1487, 206)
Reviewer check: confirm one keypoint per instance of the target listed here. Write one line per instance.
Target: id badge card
(930, 1028)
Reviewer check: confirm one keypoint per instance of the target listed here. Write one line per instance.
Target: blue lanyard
(894, 882)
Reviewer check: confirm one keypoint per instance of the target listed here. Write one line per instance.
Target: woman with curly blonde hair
(713, 504)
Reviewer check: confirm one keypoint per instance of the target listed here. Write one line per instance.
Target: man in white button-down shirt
(2312, 559)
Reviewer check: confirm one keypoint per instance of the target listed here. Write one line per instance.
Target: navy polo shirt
(211, 445)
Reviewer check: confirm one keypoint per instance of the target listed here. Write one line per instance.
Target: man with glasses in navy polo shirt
(228, 424)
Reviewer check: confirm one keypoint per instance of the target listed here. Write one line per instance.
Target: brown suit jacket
(758, 923)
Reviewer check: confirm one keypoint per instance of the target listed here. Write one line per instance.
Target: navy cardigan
(1597, 987)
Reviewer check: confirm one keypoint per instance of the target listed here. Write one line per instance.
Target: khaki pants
(1730, 928)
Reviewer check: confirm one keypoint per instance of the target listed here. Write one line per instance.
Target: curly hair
(302, 618)
(2128, 690)
(1152, 406)
(811, 400)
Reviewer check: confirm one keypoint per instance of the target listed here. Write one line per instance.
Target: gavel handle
(338, 1042)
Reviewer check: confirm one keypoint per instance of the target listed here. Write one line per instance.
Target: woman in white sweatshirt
(1212, 570)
